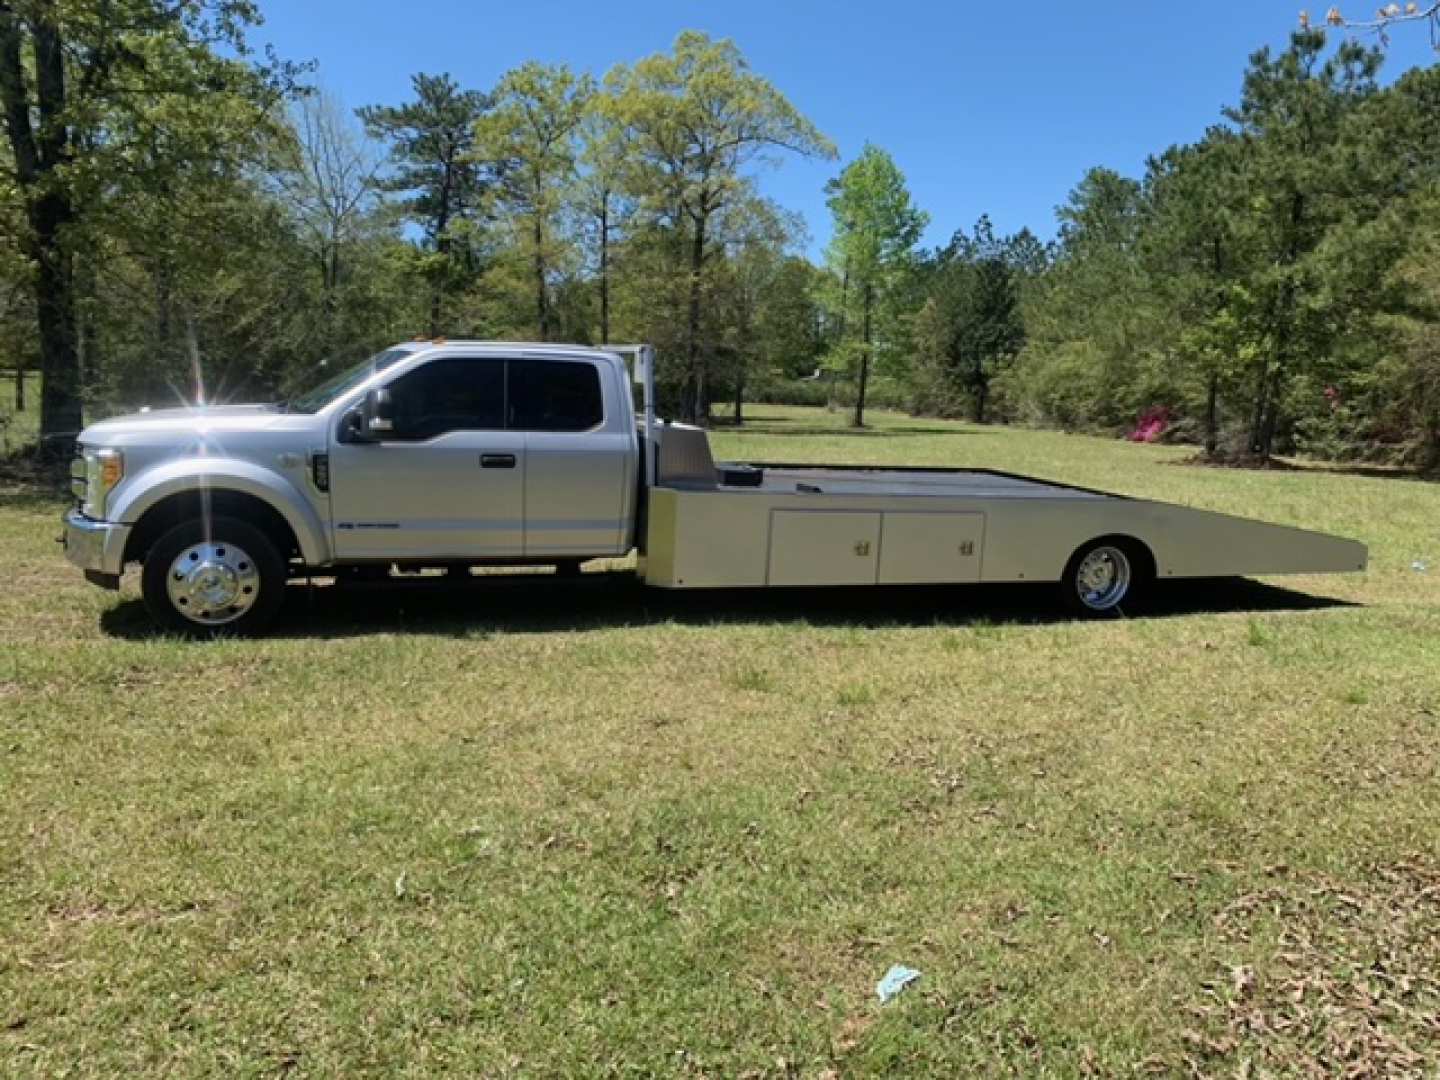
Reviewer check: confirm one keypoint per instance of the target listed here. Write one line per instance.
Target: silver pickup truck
(468, 454)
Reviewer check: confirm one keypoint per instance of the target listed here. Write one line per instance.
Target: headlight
(94, 476)
(112, 469)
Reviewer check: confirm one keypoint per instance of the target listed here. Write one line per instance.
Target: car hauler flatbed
(855, 525)
(466, 454)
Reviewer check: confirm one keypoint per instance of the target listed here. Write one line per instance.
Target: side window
(554, 395)
(452, 394)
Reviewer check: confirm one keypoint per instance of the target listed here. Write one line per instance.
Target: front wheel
(1102, 577)
(207, 579)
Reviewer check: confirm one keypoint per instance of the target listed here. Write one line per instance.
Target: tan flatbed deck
(809, 524)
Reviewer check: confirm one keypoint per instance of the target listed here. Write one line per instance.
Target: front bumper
(97, 547)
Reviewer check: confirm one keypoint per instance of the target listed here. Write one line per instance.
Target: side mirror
(369, 421)
(377, 414)
(352, 426)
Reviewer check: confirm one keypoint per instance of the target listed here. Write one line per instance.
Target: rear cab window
(554, 395)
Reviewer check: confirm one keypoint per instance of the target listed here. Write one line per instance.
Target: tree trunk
(1212, 415)
(700, 414)
(48, 209)
(158, 382)
(1430, 458)
(982, 393)
(329, 291)
(698, 406)
(192, 353)
(85, 275)
(1212, 388)
(442, 247)
(605, 271)
(1270, 419)
(84, 344)
(740, 399)
(830, 402)
(1267, 405)
(60, 409)
(1267, 395)
(1257, 416)
(864, 357)
(20, 385)
(1270, 413)
(437, 290)
(542, 308)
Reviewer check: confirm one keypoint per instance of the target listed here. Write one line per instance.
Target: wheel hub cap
(1103, 578)
(213, 583)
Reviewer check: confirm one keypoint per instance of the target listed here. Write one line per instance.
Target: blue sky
(995, 108)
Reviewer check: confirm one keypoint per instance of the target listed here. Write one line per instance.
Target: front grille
(79, 477)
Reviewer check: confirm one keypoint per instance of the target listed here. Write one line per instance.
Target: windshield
(335, 386)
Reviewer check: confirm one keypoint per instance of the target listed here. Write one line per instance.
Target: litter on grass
(895, 980)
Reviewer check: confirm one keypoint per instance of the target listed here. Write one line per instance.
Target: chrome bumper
(95, 546)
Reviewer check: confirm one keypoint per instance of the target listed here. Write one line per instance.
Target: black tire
(1130, 571)
(248, 561)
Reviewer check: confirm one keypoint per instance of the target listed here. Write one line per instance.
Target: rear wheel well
(186, 505)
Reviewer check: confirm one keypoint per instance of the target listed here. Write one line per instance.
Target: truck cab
(472, 451)
(429, 453)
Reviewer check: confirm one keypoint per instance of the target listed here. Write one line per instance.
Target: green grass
(538, 829)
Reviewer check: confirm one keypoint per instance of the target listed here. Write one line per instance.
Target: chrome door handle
(497, 461)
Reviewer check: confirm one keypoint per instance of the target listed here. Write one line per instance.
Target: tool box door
(916, 548)
(820, 547)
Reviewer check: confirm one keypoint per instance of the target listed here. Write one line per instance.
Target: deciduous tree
(327, 176)
(696, 118)
(97, 94)
(530, 139)
(876, 229)
(599, 197)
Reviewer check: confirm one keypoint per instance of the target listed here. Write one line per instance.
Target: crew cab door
(447, 482)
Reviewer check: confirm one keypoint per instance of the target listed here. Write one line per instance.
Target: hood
(194, 419)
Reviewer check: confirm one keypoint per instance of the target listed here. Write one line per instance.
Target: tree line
(1269, 288)
(182, 220)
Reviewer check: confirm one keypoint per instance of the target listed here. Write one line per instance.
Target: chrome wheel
(212, 583)
(1103, 578)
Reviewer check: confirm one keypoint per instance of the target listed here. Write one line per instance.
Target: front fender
(139, 493)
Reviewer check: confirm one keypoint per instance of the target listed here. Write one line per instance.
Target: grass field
(540, 829)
